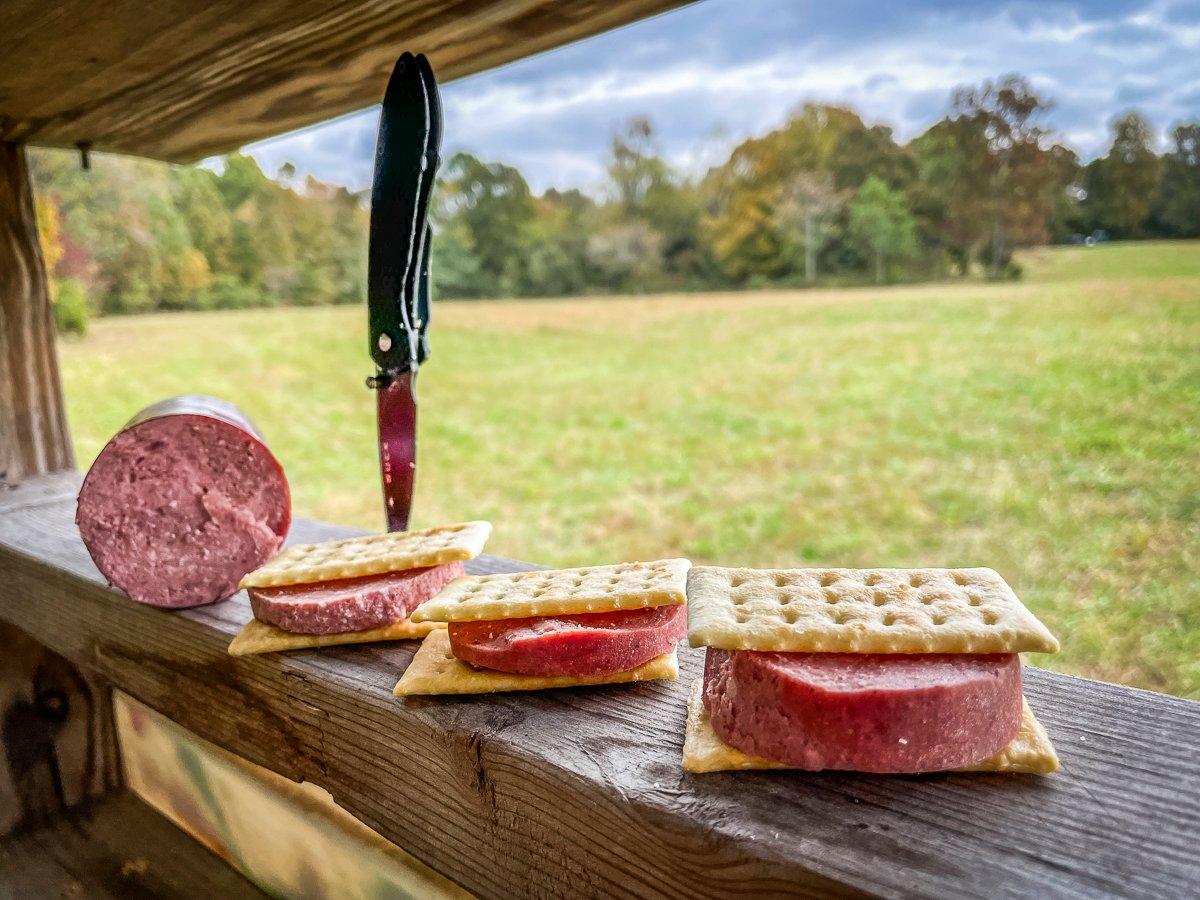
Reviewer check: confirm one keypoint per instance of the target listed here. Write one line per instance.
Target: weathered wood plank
(183, 79)
(33, 421)
(38, 490)
(580, 793)
(115, 847)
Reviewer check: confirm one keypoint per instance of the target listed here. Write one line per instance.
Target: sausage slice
(864, 712)
(350, 604)
(584, 644)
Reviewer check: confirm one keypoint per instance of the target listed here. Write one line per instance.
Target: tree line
(825, 197)
(131, 236)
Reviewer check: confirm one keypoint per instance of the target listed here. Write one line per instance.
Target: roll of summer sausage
(183, 502)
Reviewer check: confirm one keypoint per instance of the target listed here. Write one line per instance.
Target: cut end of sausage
(177, 509)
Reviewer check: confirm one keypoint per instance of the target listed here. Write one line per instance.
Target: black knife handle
(406, 160)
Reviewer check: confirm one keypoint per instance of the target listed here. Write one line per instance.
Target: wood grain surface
(580, 792)
(33, 421)
(115, 847)
(179, 80)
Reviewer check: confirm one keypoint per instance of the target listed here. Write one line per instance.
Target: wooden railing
(580, 792)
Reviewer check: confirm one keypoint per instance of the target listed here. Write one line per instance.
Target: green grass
(1047, 428)
(1159, 259)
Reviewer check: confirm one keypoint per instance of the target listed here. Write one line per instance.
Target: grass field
(1047, 428)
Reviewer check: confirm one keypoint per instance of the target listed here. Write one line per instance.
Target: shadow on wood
(57, 732)
(115, 846)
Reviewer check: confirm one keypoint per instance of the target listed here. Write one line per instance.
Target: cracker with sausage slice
(435, 670)
(371, 555)
(556, 592)
(1030, 751)
(884, 658)
(259, 637)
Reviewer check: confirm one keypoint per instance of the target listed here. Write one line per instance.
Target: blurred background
(757, 282)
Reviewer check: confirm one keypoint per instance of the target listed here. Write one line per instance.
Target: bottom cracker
(259, 637)
(435, 670)
(703, 751)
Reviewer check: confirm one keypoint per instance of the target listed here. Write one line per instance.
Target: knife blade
(406, 161)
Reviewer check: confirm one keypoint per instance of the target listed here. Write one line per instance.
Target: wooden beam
(577, 793)
(33, 422)
(179, 80)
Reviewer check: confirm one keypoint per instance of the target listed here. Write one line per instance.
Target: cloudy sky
(715, 72)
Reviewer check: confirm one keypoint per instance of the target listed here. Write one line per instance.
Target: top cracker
(371, 554)
(860, 611)
(554, 592)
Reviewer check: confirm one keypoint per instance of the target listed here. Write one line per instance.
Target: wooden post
(56, 734)
(33, 422)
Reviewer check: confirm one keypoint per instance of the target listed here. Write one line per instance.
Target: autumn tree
(792, 182)
(1178, 203)
(1063, 216)
(861, 152)
(493, 205)
(1120, 186)
(666, 207)
(635, 167)
(49, 227)
(880, 217)
(557, 260)
(953, 188)
(806, 201)
(241, 180)
(68, 297)
(992, 170)
(1004, 114)
(202, 206)
(454, 268)
(628, 255)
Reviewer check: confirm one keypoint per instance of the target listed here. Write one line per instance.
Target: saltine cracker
(259, 637)
(556, 592)
(371, 554)
(860, 611)
(435, 670)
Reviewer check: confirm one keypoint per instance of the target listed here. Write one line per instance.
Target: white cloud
(737, 67)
